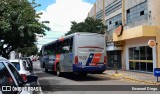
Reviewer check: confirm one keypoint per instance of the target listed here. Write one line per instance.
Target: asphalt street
(73, 84)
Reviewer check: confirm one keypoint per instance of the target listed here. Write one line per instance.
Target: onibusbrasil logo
(14, 88)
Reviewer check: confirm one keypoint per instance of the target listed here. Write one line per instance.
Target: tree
(89, 25)
(18, 25)
(28, 51)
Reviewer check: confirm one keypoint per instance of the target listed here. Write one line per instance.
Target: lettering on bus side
(83, 57)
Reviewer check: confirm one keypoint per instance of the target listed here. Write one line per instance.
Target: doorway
(114, 57)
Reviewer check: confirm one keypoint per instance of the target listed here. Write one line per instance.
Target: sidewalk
(134, 76)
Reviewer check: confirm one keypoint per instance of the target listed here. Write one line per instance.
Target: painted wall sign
(151, 43)
(119, 30)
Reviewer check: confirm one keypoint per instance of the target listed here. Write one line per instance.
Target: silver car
(21, 65)
(10, 77)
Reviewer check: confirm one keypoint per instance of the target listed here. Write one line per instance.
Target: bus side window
(67, 45)
(45, 53)
(40, 53)
(71, 44)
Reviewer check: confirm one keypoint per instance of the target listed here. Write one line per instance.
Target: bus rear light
(76, 59)
(105, 60)
(24, 77)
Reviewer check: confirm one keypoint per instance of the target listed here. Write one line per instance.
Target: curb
(142, 81)
(121, 76)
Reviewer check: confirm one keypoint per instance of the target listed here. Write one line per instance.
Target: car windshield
(17, 65)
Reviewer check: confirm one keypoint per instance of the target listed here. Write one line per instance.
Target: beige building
(130, 24)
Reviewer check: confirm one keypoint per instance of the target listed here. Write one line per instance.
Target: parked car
(34, 58)
(29, 61)
(9, 76)
(21, 65)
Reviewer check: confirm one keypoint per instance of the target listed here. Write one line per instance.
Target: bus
(80, 53)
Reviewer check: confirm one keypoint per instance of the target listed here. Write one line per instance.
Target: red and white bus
(80, 53)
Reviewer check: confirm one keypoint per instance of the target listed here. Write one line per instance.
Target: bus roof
(69, 36)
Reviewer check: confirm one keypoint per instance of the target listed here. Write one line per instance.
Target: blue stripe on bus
(88, 69)
(90, 59)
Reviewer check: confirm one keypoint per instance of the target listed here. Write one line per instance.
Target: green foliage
(28, 51)
(89, 25)
(18, 25)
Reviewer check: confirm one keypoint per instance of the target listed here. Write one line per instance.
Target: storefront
(139, 56)
(114, 55)
(136, 54)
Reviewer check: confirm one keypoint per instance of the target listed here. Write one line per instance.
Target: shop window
(131, 66)
(137, 67)
(136, 53)
(149, 53)
(143, 53)
(131, 53)
(149, 67)
(143, 66)
(141, 59)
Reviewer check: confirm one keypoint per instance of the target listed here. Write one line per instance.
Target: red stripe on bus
(96, 58)
(57, 60)
(91, 47)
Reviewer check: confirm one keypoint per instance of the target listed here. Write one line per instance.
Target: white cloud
(61, 13)
(50, 36)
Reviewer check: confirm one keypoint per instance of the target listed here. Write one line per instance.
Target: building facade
(130, 24)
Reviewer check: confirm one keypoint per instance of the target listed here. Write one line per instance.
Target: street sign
(157, 72)
(151, 43)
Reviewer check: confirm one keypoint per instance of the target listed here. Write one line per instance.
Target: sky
(60, 13)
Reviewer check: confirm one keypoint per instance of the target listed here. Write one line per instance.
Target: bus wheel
(82, 74)
(59, 73)
(46, 70)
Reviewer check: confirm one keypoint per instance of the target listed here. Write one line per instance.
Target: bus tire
(58, 72)
(46, 70)
(82, 74)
